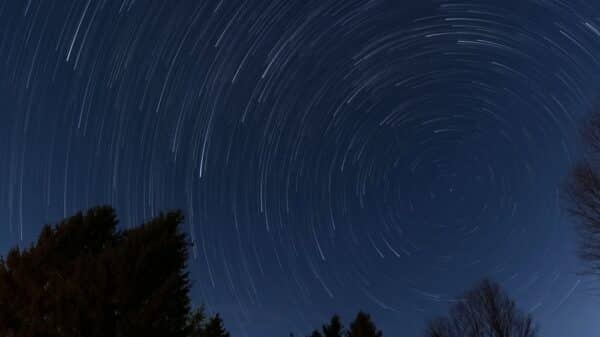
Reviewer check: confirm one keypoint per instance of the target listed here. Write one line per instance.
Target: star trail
(329, 156)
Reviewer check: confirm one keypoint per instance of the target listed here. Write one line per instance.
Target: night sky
(329, 156)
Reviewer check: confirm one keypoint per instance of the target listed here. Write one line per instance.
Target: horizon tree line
(84, 278)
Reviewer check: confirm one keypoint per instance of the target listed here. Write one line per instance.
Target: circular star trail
(329, 156)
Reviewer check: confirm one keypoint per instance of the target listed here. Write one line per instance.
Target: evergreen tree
(214, 328)
(362, 326)
(316, 333)
(196, 322)
(84, 278)
(334, 328)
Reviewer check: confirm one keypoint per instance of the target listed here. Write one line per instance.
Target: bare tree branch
(484, 311)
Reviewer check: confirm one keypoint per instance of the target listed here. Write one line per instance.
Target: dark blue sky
(329, 156)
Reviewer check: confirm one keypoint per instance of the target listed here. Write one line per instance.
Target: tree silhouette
(214, 328)
(84, 278)
(362, 326)
(196, 322)
(202, 326)
(316, 333)
(334, 328)
(583, 192)
(485, 311)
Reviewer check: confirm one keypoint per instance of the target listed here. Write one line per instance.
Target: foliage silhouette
(83, 277)
(583, 192)
(214, 327)
(334, 328)
(484, 311)
(202, 326)
(362, 326)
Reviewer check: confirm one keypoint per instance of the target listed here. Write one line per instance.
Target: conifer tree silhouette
(84, 278)
(362, 326)
(334, 328)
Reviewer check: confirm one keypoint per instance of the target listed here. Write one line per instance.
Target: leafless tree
(484, 311)
(583, 194)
